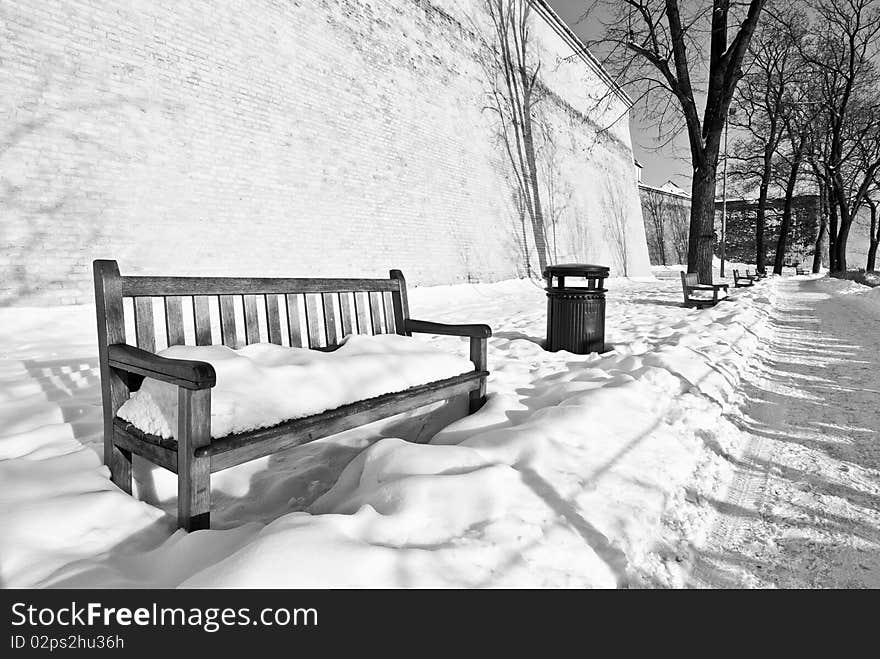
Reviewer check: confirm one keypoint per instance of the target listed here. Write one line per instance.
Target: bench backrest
(155, 312)
(689, 279)
(736, 274)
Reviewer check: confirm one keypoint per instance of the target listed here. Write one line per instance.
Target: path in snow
(804, 507)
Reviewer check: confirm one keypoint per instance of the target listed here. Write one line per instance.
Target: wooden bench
(690, 282)
(799, 270)
(330, 309)
(757, 276)
(740, 281)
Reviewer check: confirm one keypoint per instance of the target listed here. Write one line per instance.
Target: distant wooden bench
(690, 282)
(740, 281)
(331, 309)
(799, 270)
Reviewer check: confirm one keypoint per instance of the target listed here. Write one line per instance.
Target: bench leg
(476, 398)
(193, 474)
(479, 356)
(114, 392)
(119, 462)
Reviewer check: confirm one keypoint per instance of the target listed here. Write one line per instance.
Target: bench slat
(330, 319)
(376, 312)
(174, 320)
(273, 319)
(294, 331)
(345, 300)
(251, 319)
(314, 313)
(227, 321)
(143, 321)
(389, 313)
(362, 313)
(202, 314)
(142, 286)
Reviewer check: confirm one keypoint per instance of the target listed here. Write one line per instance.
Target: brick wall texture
(286, 138)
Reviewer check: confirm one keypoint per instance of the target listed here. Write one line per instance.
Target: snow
(580, 471)
(803, 508)
(263, 384)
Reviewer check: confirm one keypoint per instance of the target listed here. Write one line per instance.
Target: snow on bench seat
(263, 384)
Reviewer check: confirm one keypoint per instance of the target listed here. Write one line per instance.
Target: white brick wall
(274, 137)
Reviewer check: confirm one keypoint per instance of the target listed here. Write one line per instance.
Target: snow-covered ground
(803, 509)
(597, 470)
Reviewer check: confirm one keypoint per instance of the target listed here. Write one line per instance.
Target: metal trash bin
(576, 314)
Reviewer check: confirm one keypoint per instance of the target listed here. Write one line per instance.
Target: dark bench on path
(739, 281)
(799, 270)
(690, 282)
(331, 308)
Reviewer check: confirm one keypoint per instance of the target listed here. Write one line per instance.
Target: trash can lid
(577, 270)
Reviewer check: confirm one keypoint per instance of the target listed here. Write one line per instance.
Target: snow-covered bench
(331, 309)
(690, 282)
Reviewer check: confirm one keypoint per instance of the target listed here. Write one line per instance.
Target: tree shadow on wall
(537, 133)
(44, 161)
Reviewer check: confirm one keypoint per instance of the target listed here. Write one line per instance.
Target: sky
(659, 164)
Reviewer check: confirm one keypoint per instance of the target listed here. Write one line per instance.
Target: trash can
(576, 312)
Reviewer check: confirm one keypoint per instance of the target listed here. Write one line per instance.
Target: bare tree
(667, 225)
(679, 223)
(761, 96)
(654, 203)
(514, 95)
(816, 155)
(842, 52)
(799, 114)
(617, 231)
(797, 140)
(655, 47)
(558, 192)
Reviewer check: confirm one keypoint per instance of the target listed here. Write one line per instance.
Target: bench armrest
(427, 327)
(182, 372)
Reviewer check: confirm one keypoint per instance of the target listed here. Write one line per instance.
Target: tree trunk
(702, 225)
(785, 225)
(874, 238)
(823, 227)
(538, 214)
(661, 236)
(761, 221)
(832, 233)
(841, 237)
